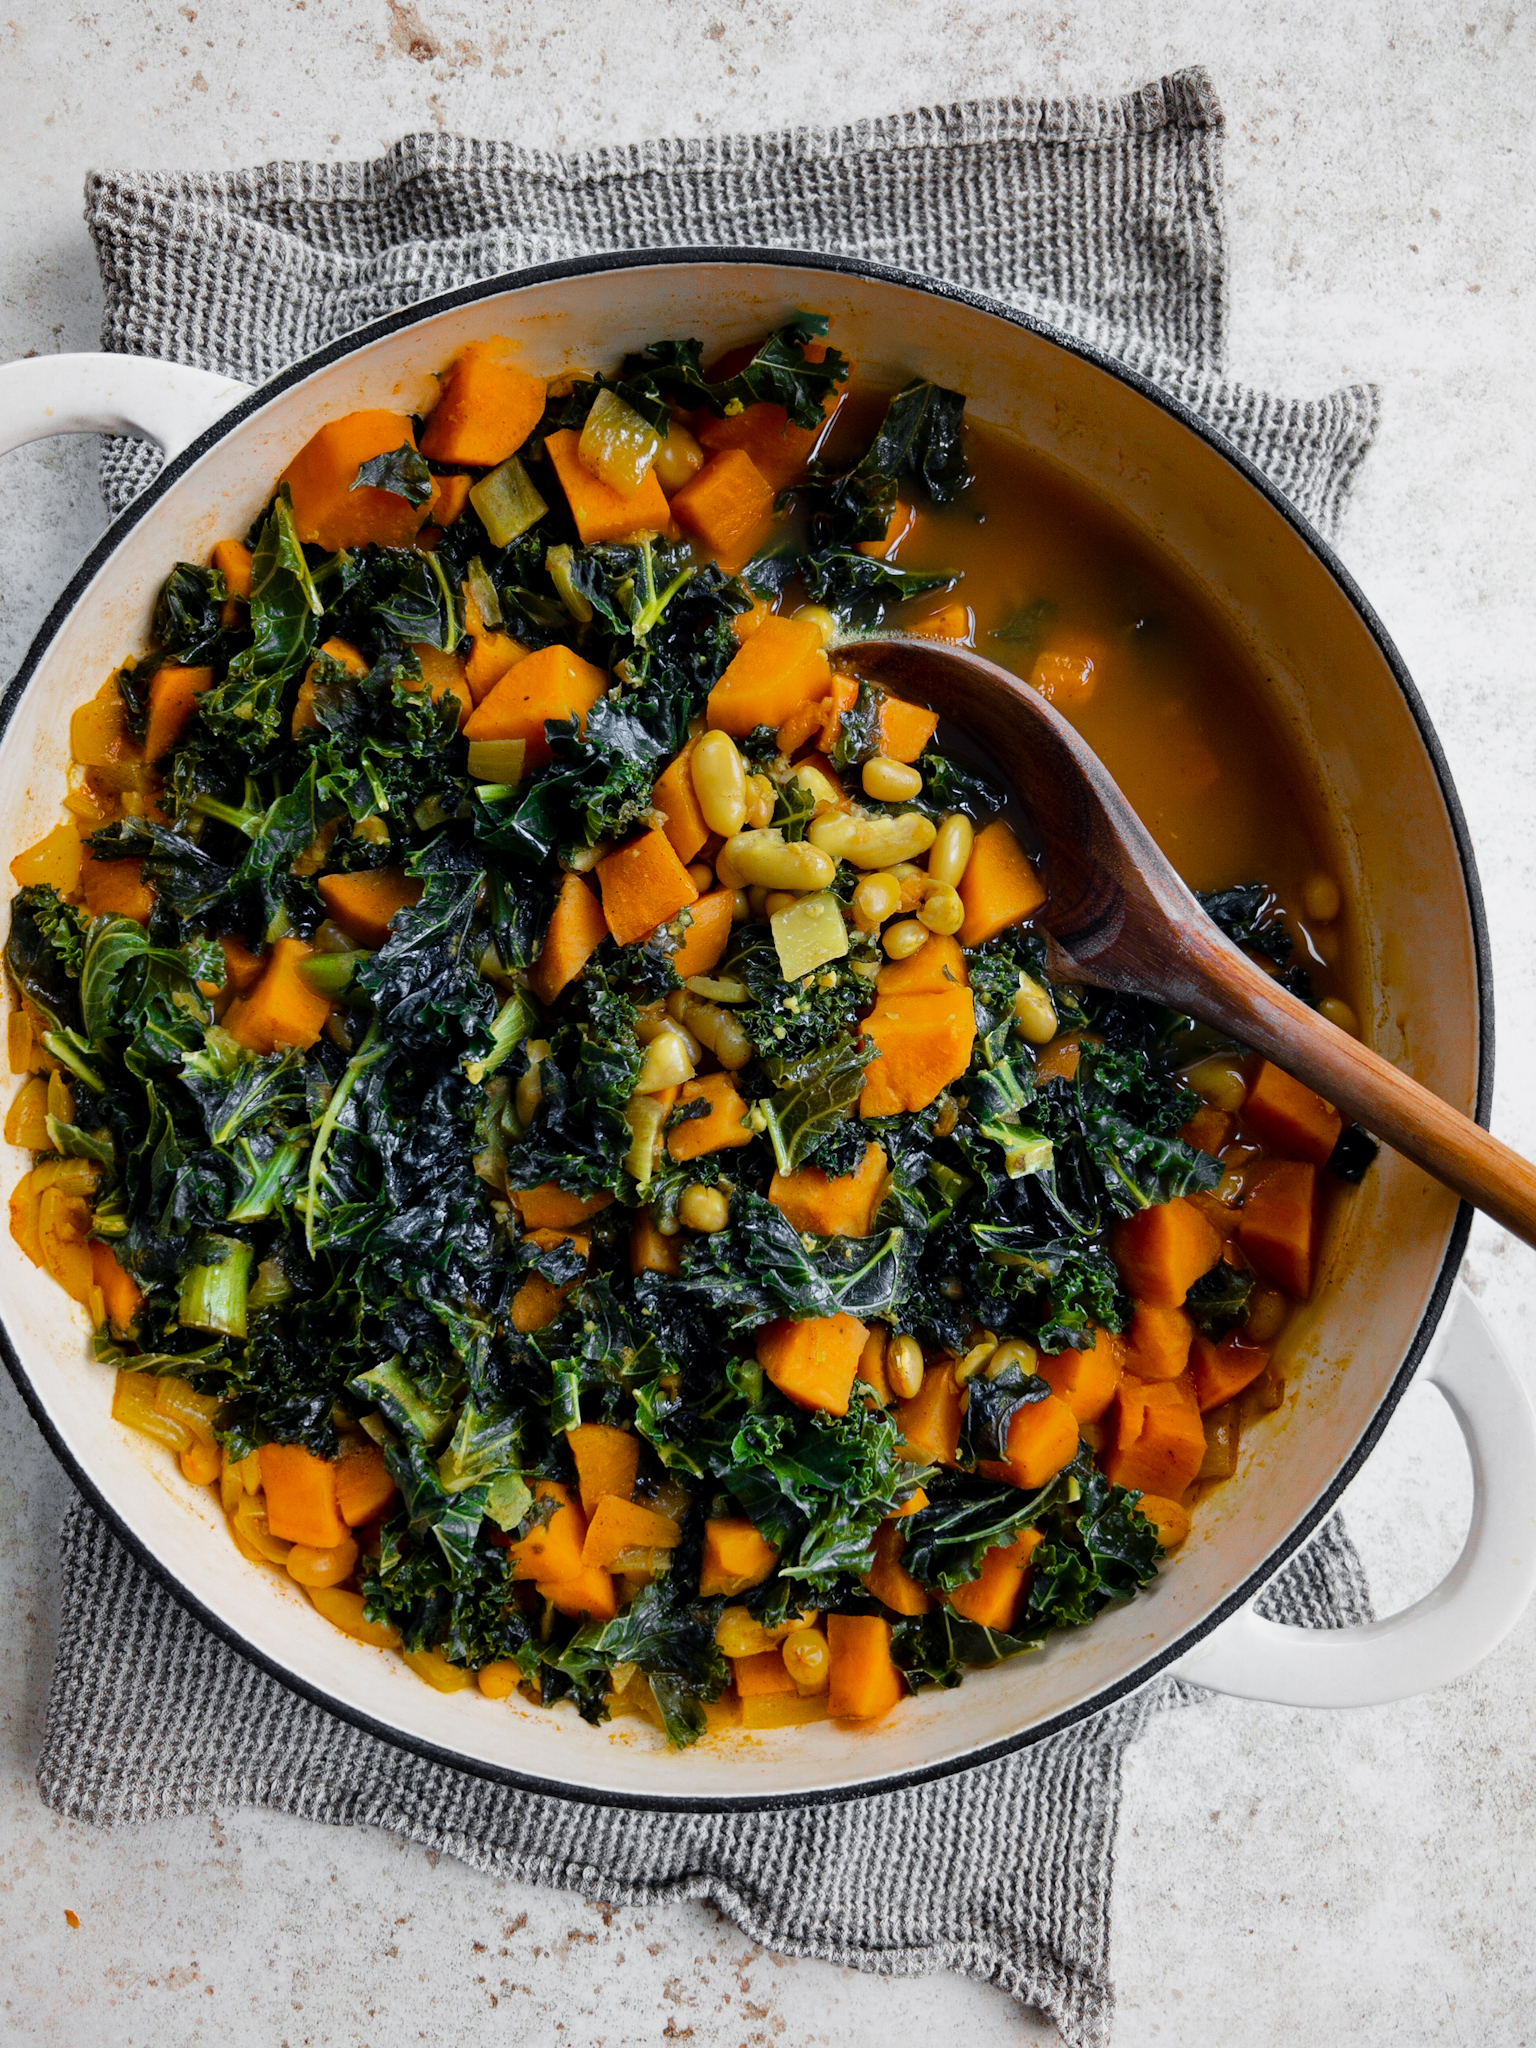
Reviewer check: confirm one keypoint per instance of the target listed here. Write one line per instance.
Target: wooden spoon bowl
(1118, 916)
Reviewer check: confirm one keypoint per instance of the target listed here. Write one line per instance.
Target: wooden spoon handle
(1227, 989)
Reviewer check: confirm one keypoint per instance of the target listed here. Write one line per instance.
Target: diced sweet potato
(1278, 1227)
(722, 1129)
(643, 884)
(1042, 1437)
(1221, 1371)
(865, 1682)
(813, 1362)
(930, 1420)
(301, 1497)
(242, 967)
(995, 1597)
(1162, 1251)
(727, 508)
(889, 1580)
(491, 655)
(897, 527)
(450, 494)
(548, 1207)
(232, 559)
(650, 1252)
(326, 509)
(600, 512)
(575, 930)
(1086, 1380)
(1289, 1117)
(1000, 886)
(607, 1460)
(922, 1043)
(620, 1525)
(590, 1593)
(554, 683)
(115, 888)
(552, 1552)
(735, 1557)
(762, 1673)
(442, 675)
(488, 407)
(840, 1205)
(363, 903)
(1159, 1341)
(173, 695)
(1068, 676)
(1158, 1441)
(282, 1008)
(364, 1488)
(537, 1303)
(905, 729)
(782, 666)
(1209, 1130)
(677, 800)
(778, 450)
(936, 967)
(707, 936)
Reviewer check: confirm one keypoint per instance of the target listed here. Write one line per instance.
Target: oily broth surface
(1178, 714)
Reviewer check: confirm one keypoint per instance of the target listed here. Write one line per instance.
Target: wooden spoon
(1118, 916)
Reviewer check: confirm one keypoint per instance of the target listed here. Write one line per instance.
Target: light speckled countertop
(1282, 1876)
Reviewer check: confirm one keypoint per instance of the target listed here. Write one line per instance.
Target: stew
(545, 1083)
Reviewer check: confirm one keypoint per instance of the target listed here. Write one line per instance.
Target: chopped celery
(617, 445)
(271, 1287)
(513, 1021)
(213, 1292)
(499, 761)
(331, 974)
(558, 564)
(480, 587)
(390, 1387)
(507, 504)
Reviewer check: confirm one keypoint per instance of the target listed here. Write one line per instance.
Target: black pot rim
(847, 266)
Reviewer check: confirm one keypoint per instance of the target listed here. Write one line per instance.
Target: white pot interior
(1352, 729)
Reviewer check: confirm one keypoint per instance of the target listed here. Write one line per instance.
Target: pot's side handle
(168, 403)
(1443, 1635)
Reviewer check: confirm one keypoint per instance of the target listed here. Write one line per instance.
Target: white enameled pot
(1359, 732)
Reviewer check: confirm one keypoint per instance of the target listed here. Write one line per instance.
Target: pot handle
(1473, 1608)
(168, 403)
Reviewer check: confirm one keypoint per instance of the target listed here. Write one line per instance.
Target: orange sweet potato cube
(363, 903)
(675, 797)
(301, 1497)
(999, 887)
(1157, 1347)
(1278, 1226)
(707, 936)
(607, 1460)
(115, 888)
(173, 695)
(1162, 1251)
(487, 410)
(813, 1362)
(833, 1205)
(865, 1682)
(905, 729)
(1221, 1371)
(553, 683)
(725, 1126)
(643, 884)
(735, 1557)
(1086, 1380)
(889, 1580)
(548, 1207)
(783, 666)
(320, 478)
(922, 1043)
(937, 966)
(620, 1525)
(995, 1597)
(1289, 1117)
(575, 930)
(1158, 1441)
(600, 512)
(727, 508)
(282, 1008)
(552, 1552)
(930, 1420)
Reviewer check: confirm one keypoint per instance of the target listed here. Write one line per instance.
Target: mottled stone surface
(1283, 1876)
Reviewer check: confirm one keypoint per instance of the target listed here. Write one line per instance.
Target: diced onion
(617, 445)
(507, 502)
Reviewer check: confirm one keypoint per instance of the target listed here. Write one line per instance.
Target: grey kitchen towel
(1105, 217)
(1002, 1872)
